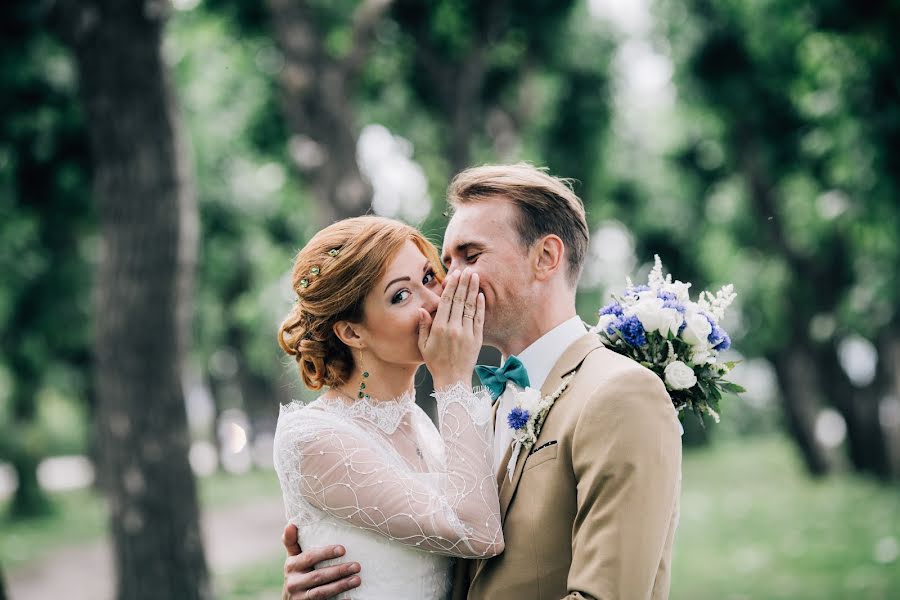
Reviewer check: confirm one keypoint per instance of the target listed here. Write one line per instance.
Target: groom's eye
(473, 257)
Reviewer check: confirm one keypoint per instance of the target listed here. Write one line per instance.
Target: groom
(590, 510)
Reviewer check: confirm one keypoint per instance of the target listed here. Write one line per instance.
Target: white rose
(696, 329)
(656, 317)
(529, 399)
(679, 376)
(648, 311)
(671, 321)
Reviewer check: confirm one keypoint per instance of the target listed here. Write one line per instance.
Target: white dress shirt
(538, 359)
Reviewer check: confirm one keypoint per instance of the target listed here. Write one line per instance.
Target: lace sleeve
(345, 472)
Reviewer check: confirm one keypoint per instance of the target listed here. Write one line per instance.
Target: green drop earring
(362, 384)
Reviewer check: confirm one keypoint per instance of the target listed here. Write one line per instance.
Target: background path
(234, 537)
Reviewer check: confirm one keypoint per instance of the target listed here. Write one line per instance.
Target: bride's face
(391, 310)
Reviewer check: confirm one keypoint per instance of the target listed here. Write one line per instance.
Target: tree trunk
(25, 446)
(860, 409)
(2, 584)
(316, 92)
(802, 399)
(148, 222)
(889, 364)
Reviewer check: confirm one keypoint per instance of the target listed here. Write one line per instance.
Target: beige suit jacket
(591, 510)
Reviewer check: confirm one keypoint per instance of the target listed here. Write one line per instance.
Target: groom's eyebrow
(462, 248)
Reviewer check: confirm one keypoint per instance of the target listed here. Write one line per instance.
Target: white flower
(703, 354)
(655, 279)
(529, 399)
(679, 376)
(603, 323)
(654, 316)
(671, 321)
(680, 289)
(696, 329)
(716, 305)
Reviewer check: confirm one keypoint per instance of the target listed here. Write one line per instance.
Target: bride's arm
(340, 471)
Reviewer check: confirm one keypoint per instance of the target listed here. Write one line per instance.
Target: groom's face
(482, 235)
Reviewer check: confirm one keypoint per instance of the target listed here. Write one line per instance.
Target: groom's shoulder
(604, 373)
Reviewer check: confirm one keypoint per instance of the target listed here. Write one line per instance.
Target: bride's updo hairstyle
(332, 276)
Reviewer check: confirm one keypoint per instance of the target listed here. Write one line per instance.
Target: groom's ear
(349, 334)
(547, 255)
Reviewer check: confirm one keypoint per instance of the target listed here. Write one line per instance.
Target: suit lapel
(568, 362)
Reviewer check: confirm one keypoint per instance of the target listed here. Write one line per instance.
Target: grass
(753, 527)
(80, 516)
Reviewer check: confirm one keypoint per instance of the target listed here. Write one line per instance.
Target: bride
(363, 465)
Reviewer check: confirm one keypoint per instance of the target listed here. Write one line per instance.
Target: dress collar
(543, 353)
(384, 414)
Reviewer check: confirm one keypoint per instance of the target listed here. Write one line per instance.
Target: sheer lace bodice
(379, 478)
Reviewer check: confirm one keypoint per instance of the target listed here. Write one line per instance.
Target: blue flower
(666, 296)
(717, 338)
(613, 308)
(673, 303)
(725, 344)
(637, 289)
(518, 418)
(632, 331)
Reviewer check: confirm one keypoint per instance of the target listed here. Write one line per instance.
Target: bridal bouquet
(659, 326)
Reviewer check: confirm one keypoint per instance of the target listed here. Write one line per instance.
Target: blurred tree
(785, 122)
(323, 58)
(253, 208)
(869, 93)
(2, 584)
(149, 227)
(45, 225)
(469, 62)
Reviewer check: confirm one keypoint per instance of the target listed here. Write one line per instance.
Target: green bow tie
(496, 378)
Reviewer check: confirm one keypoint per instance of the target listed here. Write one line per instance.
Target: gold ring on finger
(468, 316)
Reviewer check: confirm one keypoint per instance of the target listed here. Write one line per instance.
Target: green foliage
(46, 223)
(753, 526)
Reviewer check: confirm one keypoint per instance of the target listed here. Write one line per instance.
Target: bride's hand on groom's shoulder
(450, 341)
(302, 581)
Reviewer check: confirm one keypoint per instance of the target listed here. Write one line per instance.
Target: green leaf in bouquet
(704, 389)
(731, 387)
(695, 407)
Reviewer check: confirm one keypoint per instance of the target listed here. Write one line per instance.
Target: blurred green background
(752, 143)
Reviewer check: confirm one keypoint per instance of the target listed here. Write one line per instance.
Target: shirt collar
(543, 353)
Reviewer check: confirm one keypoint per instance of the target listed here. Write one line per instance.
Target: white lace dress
(400, 496)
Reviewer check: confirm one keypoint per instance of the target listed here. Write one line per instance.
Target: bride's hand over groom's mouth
(450, 341)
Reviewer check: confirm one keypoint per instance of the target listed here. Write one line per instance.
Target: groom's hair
(546, 205)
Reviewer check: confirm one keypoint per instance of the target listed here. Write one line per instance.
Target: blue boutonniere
(527, 418)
